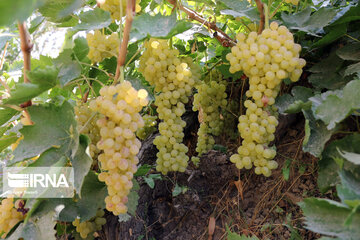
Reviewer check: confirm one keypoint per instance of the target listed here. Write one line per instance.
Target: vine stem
(220, 35)
(130, 9)
(260, 7)
(266, 10)
(275, 11)
(26, 46)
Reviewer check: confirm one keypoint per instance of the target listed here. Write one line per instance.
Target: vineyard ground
(265, 207)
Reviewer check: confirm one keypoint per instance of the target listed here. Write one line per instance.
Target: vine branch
(130, 10)
(260, 7)
(26, 46)
(219, 34)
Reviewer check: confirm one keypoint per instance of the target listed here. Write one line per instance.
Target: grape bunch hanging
(266, 59)
(120, 106)
(173, 81)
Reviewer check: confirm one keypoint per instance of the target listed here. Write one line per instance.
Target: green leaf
(350, 13)
(350, 52)
(133, 198)
(58, 10)
(327, 217)
(350, 186)
(250, 13)
(143, 170)
(157, 26)
(295, 103)
(333, 107)
(93, 193)
(17, 10)
(35, 23)
(331, 161)
(81, 48)
(41, 80)
(94, 19)
(81, 164)
(150, 179)
(6, 114)
(333, 34)
(312, 24)
(68, 69)
(5, 37)
(351, 157)
(7, 140)
(319, 135)
(36, 229)
(55, 126)
(352, 69)
(325, 73)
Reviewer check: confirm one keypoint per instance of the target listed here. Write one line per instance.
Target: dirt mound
(246, 203)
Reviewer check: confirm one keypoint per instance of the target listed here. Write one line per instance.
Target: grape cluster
(120, 105)
(102, 46)
(113, 6)
(9, 215)
(149, 127)
(266, 59)
(209, 101)
(173, 80)
(91, 226)
(295, 2)
(86, 120)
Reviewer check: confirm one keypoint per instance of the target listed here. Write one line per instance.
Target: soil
(220, 197)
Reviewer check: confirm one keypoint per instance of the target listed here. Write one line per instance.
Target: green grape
(209, 101)
(113, 6)
(102, 46)
(91, 226)
(173, 80)
(86, 121)
(120, 106)
(266, 59)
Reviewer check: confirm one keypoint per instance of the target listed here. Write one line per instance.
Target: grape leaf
(333, 107)
(35, 23)
(333, 34)
(325, 73)
(17, 10)
(350, 156)
(352, 69)
(55, 126)
(68, 69)
(133, 198)
(331, 161)
(319, 135)
(81, 48)
(294, 104)
(350, 186)
(59, 10)
(157, 26)
(349, 52)
(94, 19)
(41, 79)
(93, 193)
(7, 140)
(6, 114)
(36, 229)
(81, 163)
(327, 217)
(312, 24)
